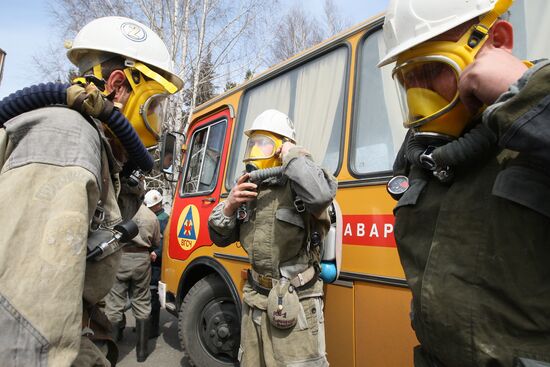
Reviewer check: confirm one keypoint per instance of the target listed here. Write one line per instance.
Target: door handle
(209, 200)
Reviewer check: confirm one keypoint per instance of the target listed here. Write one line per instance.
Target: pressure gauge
(397, 186)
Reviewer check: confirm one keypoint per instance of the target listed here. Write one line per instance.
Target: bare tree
(295, 32)
(298, 30)
(335, 23)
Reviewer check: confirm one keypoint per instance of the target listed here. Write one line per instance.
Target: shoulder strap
(314, 238)
(99, 214)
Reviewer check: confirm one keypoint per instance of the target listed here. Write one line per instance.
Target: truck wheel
(208, 324)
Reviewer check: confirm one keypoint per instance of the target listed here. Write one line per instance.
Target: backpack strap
(99, 214)
(314, 238)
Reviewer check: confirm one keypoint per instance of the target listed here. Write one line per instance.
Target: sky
(26, 31)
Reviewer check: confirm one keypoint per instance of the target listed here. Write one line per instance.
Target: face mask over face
(427, 81)
(260, 151)
(146, 106)
(428, 91)
(147, 103)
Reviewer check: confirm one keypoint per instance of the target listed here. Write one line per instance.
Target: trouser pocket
(21, 344)
(304, 344)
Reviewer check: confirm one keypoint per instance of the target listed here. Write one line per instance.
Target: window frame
(208, 125)
(375, 177)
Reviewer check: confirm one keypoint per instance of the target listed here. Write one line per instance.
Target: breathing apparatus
(427, 72)
(146, 60)
(269, 131)
(331, 254)
(261, 149)
(106, 241)
(49, 94)
(147, 67)
(146, 105)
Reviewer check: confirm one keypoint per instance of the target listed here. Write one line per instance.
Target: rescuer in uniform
(153, 200)
(61, 174)
(273, 219)
(133, 279)
(473, 228)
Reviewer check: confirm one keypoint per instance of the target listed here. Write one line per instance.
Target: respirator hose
(43, 95)
(474, 144)
(414, 150)
(124, 131)
(477, 142)
(262, 174)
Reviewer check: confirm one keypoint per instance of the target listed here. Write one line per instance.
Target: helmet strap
(170, 87)
(95, 78)
(481, 30)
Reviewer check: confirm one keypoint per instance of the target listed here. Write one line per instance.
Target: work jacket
(274, 232)
(476, 250)
(53, 162)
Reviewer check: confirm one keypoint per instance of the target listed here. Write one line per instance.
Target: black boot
(142, 326)
(118, 330)
(155, 315)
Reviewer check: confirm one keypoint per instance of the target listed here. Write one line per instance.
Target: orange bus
(346, 114)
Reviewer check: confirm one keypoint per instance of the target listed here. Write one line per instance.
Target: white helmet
(152, 198)
(274, 121)
(125, 37)
(409, 23)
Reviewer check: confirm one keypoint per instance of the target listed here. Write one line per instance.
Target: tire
(208, 324)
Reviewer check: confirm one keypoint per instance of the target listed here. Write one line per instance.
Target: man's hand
(283, 150)
(153, 256)
(493, 71)
(241, 193)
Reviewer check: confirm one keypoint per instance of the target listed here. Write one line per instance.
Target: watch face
(398, 185)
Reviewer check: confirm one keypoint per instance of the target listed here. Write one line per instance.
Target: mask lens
(259, 147)
(154, 111)
(427, 89)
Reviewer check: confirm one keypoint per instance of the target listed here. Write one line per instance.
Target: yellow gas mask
(260, 150)
(427, 80)
(146, 105)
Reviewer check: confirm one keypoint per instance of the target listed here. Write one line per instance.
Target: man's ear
(502, 35)
(117, 82)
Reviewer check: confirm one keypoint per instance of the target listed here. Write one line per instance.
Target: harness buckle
(299, 205)
(478, 33)
(99, 216)
(99, 83)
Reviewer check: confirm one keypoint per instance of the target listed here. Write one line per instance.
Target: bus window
(530, 28)
(377, 131)
(204, 159)
(313, 96)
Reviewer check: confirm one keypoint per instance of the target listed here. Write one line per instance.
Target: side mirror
(168, 156)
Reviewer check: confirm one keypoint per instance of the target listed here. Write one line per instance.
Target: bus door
(199, 190)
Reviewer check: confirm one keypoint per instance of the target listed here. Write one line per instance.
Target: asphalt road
(164, 351)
